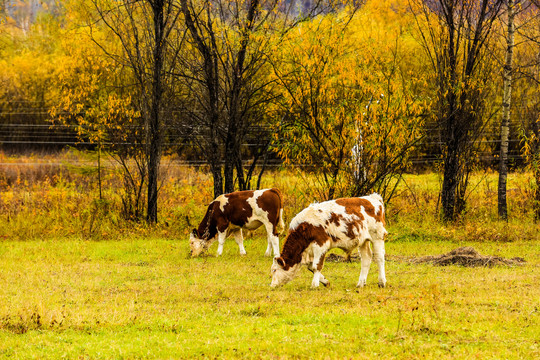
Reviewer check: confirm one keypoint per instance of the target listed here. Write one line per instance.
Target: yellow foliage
(347, 99)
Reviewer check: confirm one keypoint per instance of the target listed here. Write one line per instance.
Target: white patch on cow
(198, 246)
(317, 214)
(223, 200)
(280, 276)
(281, 221)
(258, 217)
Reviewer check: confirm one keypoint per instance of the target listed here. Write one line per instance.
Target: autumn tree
(82, 99)
(144, 31)
(348, 112)
(527, 87)
(27, 65)
(518, 18)
(225, 73)
(455, 35)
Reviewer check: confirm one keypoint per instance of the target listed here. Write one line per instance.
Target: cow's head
(280, 276)
(196, 244)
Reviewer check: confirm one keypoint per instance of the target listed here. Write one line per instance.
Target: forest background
(354, 93)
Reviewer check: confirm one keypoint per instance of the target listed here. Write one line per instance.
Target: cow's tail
(281, 222)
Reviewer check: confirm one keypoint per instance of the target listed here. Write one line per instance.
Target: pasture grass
(144, 298)
(77, 280)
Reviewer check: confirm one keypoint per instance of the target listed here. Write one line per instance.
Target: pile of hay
(464, 256)
(467, 256)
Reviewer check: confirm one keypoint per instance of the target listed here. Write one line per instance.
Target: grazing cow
(347, 224)
(230, 213)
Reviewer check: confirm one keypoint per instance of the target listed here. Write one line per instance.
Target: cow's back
(344, 222)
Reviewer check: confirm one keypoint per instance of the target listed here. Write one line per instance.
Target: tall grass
(49, 197)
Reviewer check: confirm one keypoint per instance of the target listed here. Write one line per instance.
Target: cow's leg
(322, 279)
(378, 254)
(316, 267)
(273, 240)
(221, 241)
(240, 241)
(365, 258)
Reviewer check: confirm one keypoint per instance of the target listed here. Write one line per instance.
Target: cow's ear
(280, 261)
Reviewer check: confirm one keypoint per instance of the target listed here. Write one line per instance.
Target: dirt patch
(464, 256)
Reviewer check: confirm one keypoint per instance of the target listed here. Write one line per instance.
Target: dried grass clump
(465, 256)
(469, 257)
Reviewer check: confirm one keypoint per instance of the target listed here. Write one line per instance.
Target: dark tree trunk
(535, 148)
(537, 195)
(154, 121)
(218, 179)
(230, 157)
(205, 42)
(505, 121)
(450, 183)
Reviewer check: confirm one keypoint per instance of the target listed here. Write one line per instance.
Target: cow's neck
(294, 246)
(207, 232)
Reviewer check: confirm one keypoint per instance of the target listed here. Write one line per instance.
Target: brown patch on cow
(237, 210)
(352, 226)
(337, 220)
(298, 240)
(321, 262)
(352, 206)
(267, 202)
(334, 218)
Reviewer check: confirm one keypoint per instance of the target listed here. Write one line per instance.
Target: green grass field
(143, 298)
(78, 282)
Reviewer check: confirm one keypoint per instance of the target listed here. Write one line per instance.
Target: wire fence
(32, 131)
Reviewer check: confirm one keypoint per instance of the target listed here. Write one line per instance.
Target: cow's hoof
(361, 284)
(381, 285)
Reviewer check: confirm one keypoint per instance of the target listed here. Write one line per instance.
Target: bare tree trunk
(204, 40)
(537, 190)
(154, 120)
(536, 154)
(450, 184)
(99, 169)
(505, 128)
(218, 180)
(535, 159)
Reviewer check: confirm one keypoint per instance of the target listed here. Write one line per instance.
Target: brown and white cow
(347, 223)
(230, 213)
